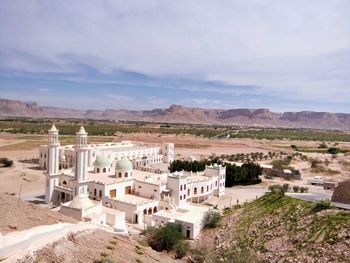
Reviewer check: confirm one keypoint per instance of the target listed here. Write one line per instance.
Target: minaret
(52, 170)
(81, 163)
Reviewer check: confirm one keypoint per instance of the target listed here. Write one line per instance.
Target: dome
(123, 165)
(102, 161)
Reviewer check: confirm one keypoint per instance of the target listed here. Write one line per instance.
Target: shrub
(333, 150)
(304, 189)
(5, 162)
(181, 249)
(296, 188)
(211, 219)
(279, 189)
(165, 237)
(321, 205)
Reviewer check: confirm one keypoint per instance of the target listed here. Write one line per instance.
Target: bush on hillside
(165, 237)
(211, 218)
(321, 205)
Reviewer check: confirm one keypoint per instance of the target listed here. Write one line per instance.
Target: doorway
(128, 190)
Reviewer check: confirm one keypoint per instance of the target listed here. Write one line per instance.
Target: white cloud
(287, 48)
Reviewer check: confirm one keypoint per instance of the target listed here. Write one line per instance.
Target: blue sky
(277, 54)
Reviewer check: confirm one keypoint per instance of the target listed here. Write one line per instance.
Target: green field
(109, 128)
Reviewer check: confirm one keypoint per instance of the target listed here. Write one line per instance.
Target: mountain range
(182, 114)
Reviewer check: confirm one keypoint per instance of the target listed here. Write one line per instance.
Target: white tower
(52, 170)
(81, 163)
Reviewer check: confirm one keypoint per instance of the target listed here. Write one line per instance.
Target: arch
(104, 170)
(64, 182)
(195, 190)
(150, 211)
(202, 190)
(145, 211)
(155, 209)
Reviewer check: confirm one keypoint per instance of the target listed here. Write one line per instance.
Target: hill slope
(181, 114)
(282, 229)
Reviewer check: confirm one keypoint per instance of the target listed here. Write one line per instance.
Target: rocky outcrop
(341, 193)
(181, 114)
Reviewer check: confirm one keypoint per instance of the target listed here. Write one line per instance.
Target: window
(100, 194)
(188, 192)
(184, 196)
(98, 170)
(120, 174)
(180, 197)
(202, 190)
(207, 188)
(195, 190)
(180, 187)
(184, 186)
(95, 192)
(126, 175)
(104, 170)
(216, 183)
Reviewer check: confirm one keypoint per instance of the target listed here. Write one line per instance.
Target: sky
(278, 54)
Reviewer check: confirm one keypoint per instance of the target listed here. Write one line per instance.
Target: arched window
(180, 187)
(202, 190)
(100, 194)
(95, 192)
(98, 170)
(64, 182)
(216, 183)
(207, 188)
(188, 192)
(145, 211)
(155, 209)
(180, 197)
(195, 190)
(104, 170)
(150, 211)
(184, 186)
(126, 175)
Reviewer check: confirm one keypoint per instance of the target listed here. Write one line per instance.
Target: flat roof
(190, 213)
(149, 177)
(134, 199)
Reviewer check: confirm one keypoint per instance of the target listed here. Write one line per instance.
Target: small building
(341, 193)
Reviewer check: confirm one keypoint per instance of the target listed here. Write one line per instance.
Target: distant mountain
(181, 114)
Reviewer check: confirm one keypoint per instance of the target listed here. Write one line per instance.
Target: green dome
(102, 161)
(123, 165)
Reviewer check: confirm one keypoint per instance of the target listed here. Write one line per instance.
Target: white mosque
(115, 183)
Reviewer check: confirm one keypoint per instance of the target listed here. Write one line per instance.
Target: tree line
(246, 174)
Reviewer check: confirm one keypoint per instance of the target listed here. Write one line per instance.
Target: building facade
(115, 182)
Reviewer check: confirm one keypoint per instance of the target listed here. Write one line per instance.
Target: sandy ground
(16, 216)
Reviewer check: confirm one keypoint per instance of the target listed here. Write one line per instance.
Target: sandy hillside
(93, 245)
(23, 215)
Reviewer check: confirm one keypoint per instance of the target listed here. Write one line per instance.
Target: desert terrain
(26, 179)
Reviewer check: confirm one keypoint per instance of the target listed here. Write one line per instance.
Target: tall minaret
(52, 170)
(81, 163)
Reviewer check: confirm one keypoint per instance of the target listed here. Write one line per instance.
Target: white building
(112, 183)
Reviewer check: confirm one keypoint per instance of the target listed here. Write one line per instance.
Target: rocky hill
(181, 114)
(277, 228)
